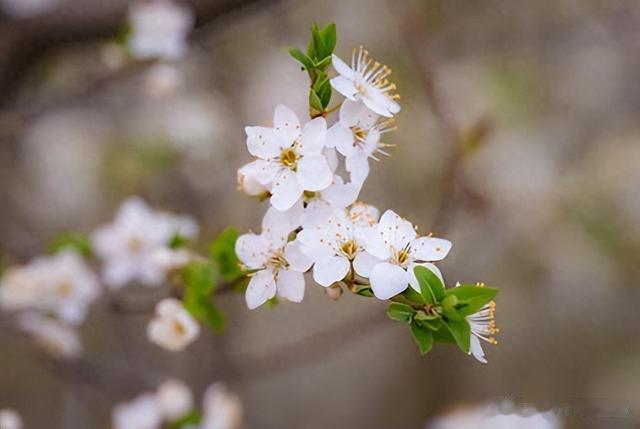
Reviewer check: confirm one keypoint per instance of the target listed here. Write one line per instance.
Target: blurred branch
(452, 184)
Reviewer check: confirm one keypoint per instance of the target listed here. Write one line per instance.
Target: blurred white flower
(398, 248)
(363, 214)
(175, 399)
(366, 80)
(135, 247)
(280, 265)
(162, 80)
(56, 338)
(27, 9)
(143, 412)
(222, 410)
(62, 285)
(491, 417)
(172, 327)
(357, 135)
(290, 159)
(159, 29)
(10, 419)
(334, 246)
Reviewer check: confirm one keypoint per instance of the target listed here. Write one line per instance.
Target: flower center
(179, 328)
(349, 248)
(359, 133)
(64, 288)
(309, 196)
(289, 158)
(135, 244)
(277, 261)
(402, 256)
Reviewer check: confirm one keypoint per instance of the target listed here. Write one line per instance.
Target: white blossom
(335, 247)
(366, 80)
(494, 417)
(62, 285)
(10, 419)
(279, 264)
(172, 327)
(356, 135)
(222, 410)
(143, 412)
(159, 29)
(249, 184)
(290, 159)
(135, 247)
(56, 338)
(174, 399)
(316, 207)
(397, 247)
(483, 327)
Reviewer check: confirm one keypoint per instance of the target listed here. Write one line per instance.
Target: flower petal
(264, 172)
(341, 195)
(380, 103)
(261, 288)
(397, 231)
(430, 249)
(345, 87)
(476, 349)
(314, 136)
(251, 250)
(286, 124)
(285, 191)
(342, 67)
(341, 138)
(297, 259)
(291, 285)
(327, 272)
(364, 263)
(313, 173)
(262, 142)
(357, 165)
(354, 113)
(316, 212)
(388, 280)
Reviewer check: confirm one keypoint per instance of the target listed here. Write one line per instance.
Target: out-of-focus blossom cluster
(10, 419)
(52, 294)
(173, 404)
(502, 416)
(27, 8)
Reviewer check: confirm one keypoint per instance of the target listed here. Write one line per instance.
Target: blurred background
(542, 201)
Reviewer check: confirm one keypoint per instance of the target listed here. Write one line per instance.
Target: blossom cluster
(315, 221)
(496, 416)
(172, 404)
(51, 295)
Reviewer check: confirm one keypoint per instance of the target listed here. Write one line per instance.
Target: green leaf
(461, 333)
(364, 291)
(423, 338)
(200, 276)
(315, 102)
(188, 420)
(305, 61)
(431, 286)
(318, 43)
(223, 251)
(322, 64)
(200, 280)
(178, 241)
(443, 335)
(472, 298)
(411, 294)
(449, 308)
(329, 38)
(74, 241)
(400, 312)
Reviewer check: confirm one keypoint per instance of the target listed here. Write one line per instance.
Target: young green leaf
(200, 276)
(315, 102)
(223, 251)
(400, 312)
(449, 308)
(443, 335)
(431, 286)
(413, 296)
(423, 338)
(74, 241)
(472, 298)
(304, 60)
(190, 419)
(178, 241)
(329, 38)
(318, 43)
(461, 333)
